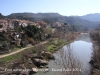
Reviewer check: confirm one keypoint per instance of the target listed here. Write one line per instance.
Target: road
(5, 55)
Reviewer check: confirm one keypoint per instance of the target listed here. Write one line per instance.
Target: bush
(1, 26)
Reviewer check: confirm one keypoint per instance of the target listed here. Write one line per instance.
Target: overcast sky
(63, 7)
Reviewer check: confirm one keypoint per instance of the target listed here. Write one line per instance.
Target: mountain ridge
(53, 17)
(91, 17)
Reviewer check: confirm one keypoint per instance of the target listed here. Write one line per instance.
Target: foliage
(34, 32)
(2, 38)
(52, 46)
(1, 26)
(95, 60)
(95, 35)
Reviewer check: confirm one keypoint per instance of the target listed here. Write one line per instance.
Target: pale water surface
(82, 48)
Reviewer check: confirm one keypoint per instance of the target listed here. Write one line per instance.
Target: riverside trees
(95, 60)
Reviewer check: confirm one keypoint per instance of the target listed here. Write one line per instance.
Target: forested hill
(54, 17)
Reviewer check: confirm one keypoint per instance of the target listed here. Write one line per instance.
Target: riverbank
(55, 44)
(95, 59)
(80, 46)
(36, 56)
(26, 56)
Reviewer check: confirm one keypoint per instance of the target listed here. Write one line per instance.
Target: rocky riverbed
(34, 61)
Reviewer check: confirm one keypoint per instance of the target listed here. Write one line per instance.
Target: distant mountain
(34, 15)
(54, 17)
(76, 21)
(91, 17)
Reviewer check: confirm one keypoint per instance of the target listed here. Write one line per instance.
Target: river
(82, 49)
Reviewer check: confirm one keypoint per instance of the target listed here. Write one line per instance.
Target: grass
(52, 47)
(13, 50)
(13, 57)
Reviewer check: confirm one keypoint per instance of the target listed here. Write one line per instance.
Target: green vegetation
(14, 57)
(1, 26)
(13, 50)
(33, 32)
(11, 58)
(51, 46)
(2, 39)
(54, 45)
(95, 59)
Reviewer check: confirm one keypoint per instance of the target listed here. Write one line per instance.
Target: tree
(34, 32)
(1, 26)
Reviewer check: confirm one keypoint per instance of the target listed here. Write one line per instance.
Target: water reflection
(83, 37)
(81, 47)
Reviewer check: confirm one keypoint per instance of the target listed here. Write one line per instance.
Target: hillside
(91, 17)
(54, 17)
(75, 21)
(34, 15)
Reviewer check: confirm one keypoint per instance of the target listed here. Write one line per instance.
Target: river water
(82, 49)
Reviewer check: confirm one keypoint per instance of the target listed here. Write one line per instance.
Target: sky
(63, 7)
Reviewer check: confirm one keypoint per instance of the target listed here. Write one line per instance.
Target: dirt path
(5, 55)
